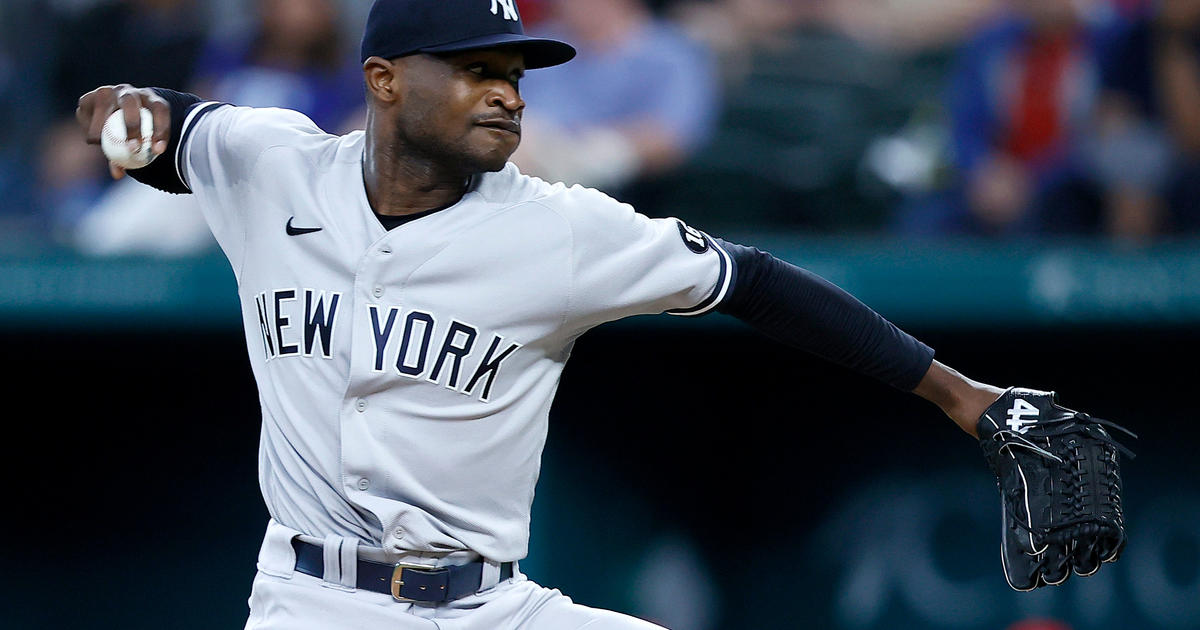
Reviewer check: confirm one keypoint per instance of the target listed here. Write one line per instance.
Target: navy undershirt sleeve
(805, 311)
(163, 172)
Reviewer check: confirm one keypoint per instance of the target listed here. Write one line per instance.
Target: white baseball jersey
(406, 376)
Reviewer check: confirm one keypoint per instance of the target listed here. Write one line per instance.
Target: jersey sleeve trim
(161, 173)
(724, 279)
(189, 125)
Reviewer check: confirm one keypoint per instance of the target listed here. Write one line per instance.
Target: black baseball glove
(1060, 487)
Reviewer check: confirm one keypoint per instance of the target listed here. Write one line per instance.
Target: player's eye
(482, 69)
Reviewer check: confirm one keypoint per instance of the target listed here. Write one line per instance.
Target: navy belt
(404, 582)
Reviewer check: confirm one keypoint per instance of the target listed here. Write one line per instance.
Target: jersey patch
(692, 237)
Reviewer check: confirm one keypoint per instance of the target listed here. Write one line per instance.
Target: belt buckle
(398, 578)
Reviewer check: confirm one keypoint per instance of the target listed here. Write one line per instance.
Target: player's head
(442, 77)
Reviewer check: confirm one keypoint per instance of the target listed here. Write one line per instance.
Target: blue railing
(934, 283)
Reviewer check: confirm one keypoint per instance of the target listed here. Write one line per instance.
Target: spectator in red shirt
(1022, 97)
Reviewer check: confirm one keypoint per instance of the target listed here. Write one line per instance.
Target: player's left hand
(1060, 487)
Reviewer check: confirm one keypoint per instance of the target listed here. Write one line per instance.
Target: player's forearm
(805, 311)
(961, 398)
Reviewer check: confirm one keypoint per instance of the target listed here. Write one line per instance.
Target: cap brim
(539, 53)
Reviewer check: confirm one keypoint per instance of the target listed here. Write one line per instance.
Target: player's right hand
(96, 106)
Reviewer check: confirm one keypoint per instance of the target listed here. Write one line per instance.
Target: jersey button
(378, 292)
(361, 405)
(399, 532)
(363, 484)
(385, 250)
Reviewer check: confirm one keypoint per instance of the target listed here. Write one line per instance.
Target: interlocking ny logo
(1016, 415)
(509, 6)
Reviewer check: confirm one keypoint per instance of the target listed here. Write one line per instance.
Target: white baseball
(115, 146)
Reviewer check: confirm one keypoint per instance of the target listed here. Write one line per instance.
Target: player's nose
(505, 95)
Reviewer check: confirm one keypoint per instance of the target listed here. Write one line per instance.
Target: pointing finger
(96, 106)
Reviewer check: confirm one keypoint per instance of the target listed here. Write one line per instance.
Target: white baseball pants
(284, 599)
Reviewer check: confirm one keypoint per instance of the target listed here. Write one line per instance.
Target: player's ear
(382, 78)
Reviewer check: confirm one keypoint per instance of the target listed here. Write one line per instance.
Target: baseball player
(409, 301)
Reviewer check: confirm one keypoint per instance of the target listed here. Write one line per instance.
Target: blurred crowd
(921, 118)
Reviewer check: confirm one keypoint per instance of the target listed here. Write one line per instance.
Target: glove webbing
(1012, 439)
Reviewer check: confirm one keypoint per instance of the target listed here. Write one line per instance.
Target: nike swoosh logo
(295, 231)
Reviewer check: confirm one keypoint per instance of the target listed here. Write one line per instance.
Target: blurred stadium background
(1014, 181)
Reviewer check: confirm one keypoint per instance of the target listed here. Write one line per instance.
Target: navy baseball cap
(403, 27)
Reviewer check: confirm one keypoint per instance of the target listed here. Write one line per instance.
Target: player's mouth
(502, 124)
